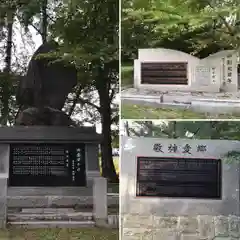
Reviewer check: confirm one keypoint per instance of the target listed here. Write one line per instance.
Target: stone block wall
(201, 227)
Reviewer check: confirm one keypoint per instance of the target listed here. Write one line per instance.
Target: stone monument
(46, 162)
(179, 189)
(43, 91)
(161, 69)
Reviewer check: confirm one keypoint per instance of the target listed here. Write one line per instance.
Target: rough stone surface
(221, 226)
(165, 235)
(190, 237)
(234, 227)
(50, 201)
(137, 234)
(47, 82)
(46, 116)
(202, 227)
(165, 222)
(138, 221)
(206, 227)
(46, 86)
(188, 225)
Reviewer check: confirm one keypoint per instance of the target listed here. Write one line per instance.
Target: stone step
(47, 210)
(51, 224)
(49, 191)
(57, 201)
(72, 216)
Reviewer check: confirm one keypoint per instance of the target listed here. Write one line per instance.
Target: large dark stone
(46, 86)
(45, 116)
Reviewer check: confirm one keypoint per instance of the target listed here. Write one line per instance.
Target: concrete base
(56, 201)
(49, 191)
(180, 227)
(52, 224)
(197, 101)
(101, 223)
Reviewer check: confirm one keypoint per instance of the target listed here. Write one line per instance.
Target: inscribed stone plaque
(203, 75)
(179, 177)
(47, 165)
(174, 73)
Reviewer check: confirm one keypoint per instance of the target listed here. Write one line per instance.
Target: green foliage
(127, 76)
(228, 130)
(197, 27)
(115, 138)
(232, 157)
(87, 32)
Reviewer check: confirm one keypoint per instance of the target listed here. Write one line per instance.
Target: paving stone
(165, 222)
(190, 237)
(206, 227)
(137, 234)
(138, 221)
(165, 235)
(234, 226)
(188, 225)
(221, 226)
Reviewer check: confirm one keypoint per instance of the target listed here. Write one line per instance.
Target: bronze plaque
(174, 73)
(179, 177)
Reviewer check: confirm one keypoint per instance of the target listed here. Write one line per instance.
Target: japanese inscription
(186, 148)
(157, 147)
(172, 148)
(179, 177)
(47, 165)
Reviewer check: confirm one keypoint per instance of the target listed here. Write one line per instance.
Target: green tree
(88, 33)
(186, 129)
(197, 27)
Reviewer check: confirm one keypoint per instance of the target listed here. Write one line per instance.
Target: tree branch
(31, 24)
(75, 101)
(114, 119)
(112, 94)
(126, 126)
(85, 101)
(230, 30)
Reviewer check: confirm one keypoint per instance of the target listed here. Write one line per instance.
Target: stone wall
(139, 227)
(217, 71)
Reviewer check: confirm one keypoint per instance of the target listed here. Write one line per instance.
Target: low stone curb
(181, 227)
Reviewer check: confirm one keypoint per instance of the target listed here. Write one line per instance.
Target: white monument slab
(216, 73)
(169, 211)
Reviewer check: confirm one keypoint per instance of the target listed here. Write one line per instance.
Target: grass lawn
(145, 112)
(59, 234)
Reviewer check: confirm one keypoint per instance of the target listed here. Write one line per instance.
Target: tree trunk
(44, 21)
(127, 128)
(108, 169)
(7, 70)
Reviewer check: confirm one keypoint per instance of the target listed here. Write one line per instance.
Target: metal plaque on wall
(174, 73)
(47, 165)
(179, 177)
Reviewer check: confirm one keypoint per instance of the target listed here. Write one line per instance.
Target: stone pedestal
(100, 201)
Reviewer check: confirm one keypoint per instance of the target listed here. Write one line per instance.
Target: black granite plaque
(174, 73)
(47, 165)
(179, 177)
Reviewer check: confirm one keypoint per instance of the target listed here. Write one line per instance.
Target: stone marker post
(3, 200)
(100, 201)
